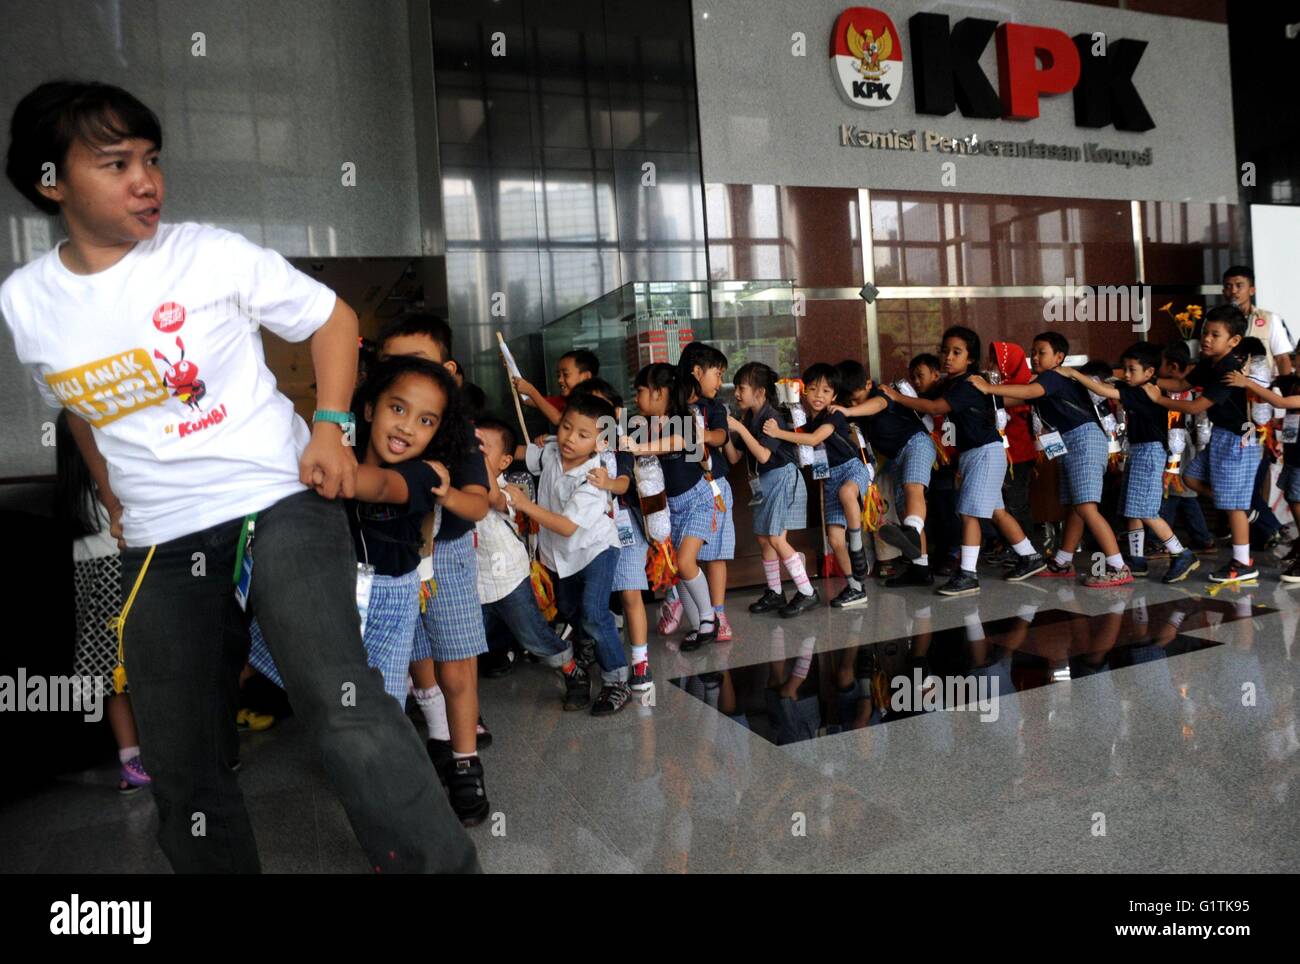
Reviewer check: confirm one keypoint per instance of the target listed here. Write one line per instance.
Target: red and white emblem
(867, 57)
(169, 317)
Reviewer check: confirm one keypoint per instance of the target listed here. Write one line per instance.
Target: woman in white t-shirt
(97, 576)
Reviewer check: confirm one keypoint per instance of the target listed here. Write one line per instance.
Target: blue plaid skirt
(1143, 481)
(1288, 481)
(853, 471)
(912, 465)
(722, 543)
(1083, 466)
(1232, 469)
(630, 571)
(451, 626)
(1198, 467)
(692, 513)
(391, 618)
(785, 502)
(982, 473)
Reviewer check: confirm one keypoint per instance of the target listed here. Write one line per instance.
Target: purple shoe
(133, 776)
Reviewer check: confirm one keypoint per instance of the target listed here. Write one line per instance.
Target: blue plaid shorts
(692, 512)
(912, 465)
(1232, 469)
(785, 502)
(1143, 481)
(630, 571)
(722, 542)
(982, 473)
(1288, 481)
(852, 471)
(1198, 467)
(391, 618)
(1083, 467)
(451, 626)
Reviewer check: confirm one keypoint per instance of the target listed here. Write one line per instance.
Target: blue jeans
(584, 596)
(185, 642)
(1193, 517)
(519, 614)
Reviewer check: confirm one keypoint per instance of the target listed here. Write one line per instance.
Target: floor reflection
(968, 668)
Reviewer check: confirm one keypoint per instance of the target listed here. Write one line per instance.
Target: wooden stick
(514, 392)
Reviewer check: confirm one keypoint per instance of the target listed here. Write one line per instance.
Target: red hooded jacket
(1014, 368)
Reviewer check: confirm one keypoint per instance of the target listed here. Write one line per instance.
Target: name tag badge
(1291, 427)
(1052, 444)
(623, 520)
(755, 488)
(365, 579)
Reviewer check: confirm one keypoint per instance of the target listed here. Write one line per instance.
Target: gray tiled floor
(1186, 776)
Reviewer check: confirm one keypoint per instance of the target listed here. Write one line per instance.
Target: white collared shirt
(570, 494)
(502, 558)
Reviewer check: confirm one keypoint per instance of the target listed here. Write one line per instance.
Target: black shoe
(800, 603)
(698, 637)
(769, 602)
(1026, 566)
(965, 583)
(1233, 571)
(466, 791)
(858, 564)
(441, 757)
(613, 697)
(849, 598)
(577, 689)
(903, 538)
(496, 663)
(483, 738)
(913, 575)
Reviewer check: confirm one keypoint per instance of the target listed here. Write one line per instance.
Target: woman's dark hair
(681, 386)
(451, 442)
(75, 496)
(757, 375)
(51, 117)
(598, 386)
(970, 337)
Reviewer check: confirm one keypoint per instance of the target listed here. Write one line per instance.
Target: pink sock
(794, 566)
(772, 570)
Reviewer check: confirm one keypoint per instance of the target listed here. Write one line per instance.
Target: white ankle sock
(1023, 548)
(1136, 538)
(1241, 553)
(969, 557)
(434, 709)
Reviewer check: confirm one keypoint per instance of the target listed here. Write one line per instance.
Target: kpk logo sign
(867, 58)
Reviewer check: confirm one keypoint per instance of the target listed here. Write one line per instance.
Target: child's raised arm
(772, 429)
(756, 448)
(1187, 406)
(380, 485)
(1091, 384)
(926, 406)
(1242, 380)
(1021, 393)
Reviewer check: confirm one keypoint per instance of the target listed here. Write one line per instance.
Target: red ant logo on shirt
(183, 377)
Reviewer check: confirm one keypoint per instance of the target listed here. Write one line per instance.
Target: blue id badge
(243, 577)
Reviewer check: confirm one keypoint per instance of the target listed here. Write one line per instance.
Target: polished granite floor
(1123, 740)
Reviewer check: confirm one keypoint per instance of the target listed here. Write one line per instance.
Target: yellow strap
(118, 624)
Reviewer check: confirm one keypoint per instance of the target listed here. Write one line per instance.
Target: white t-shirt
(161, 353)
